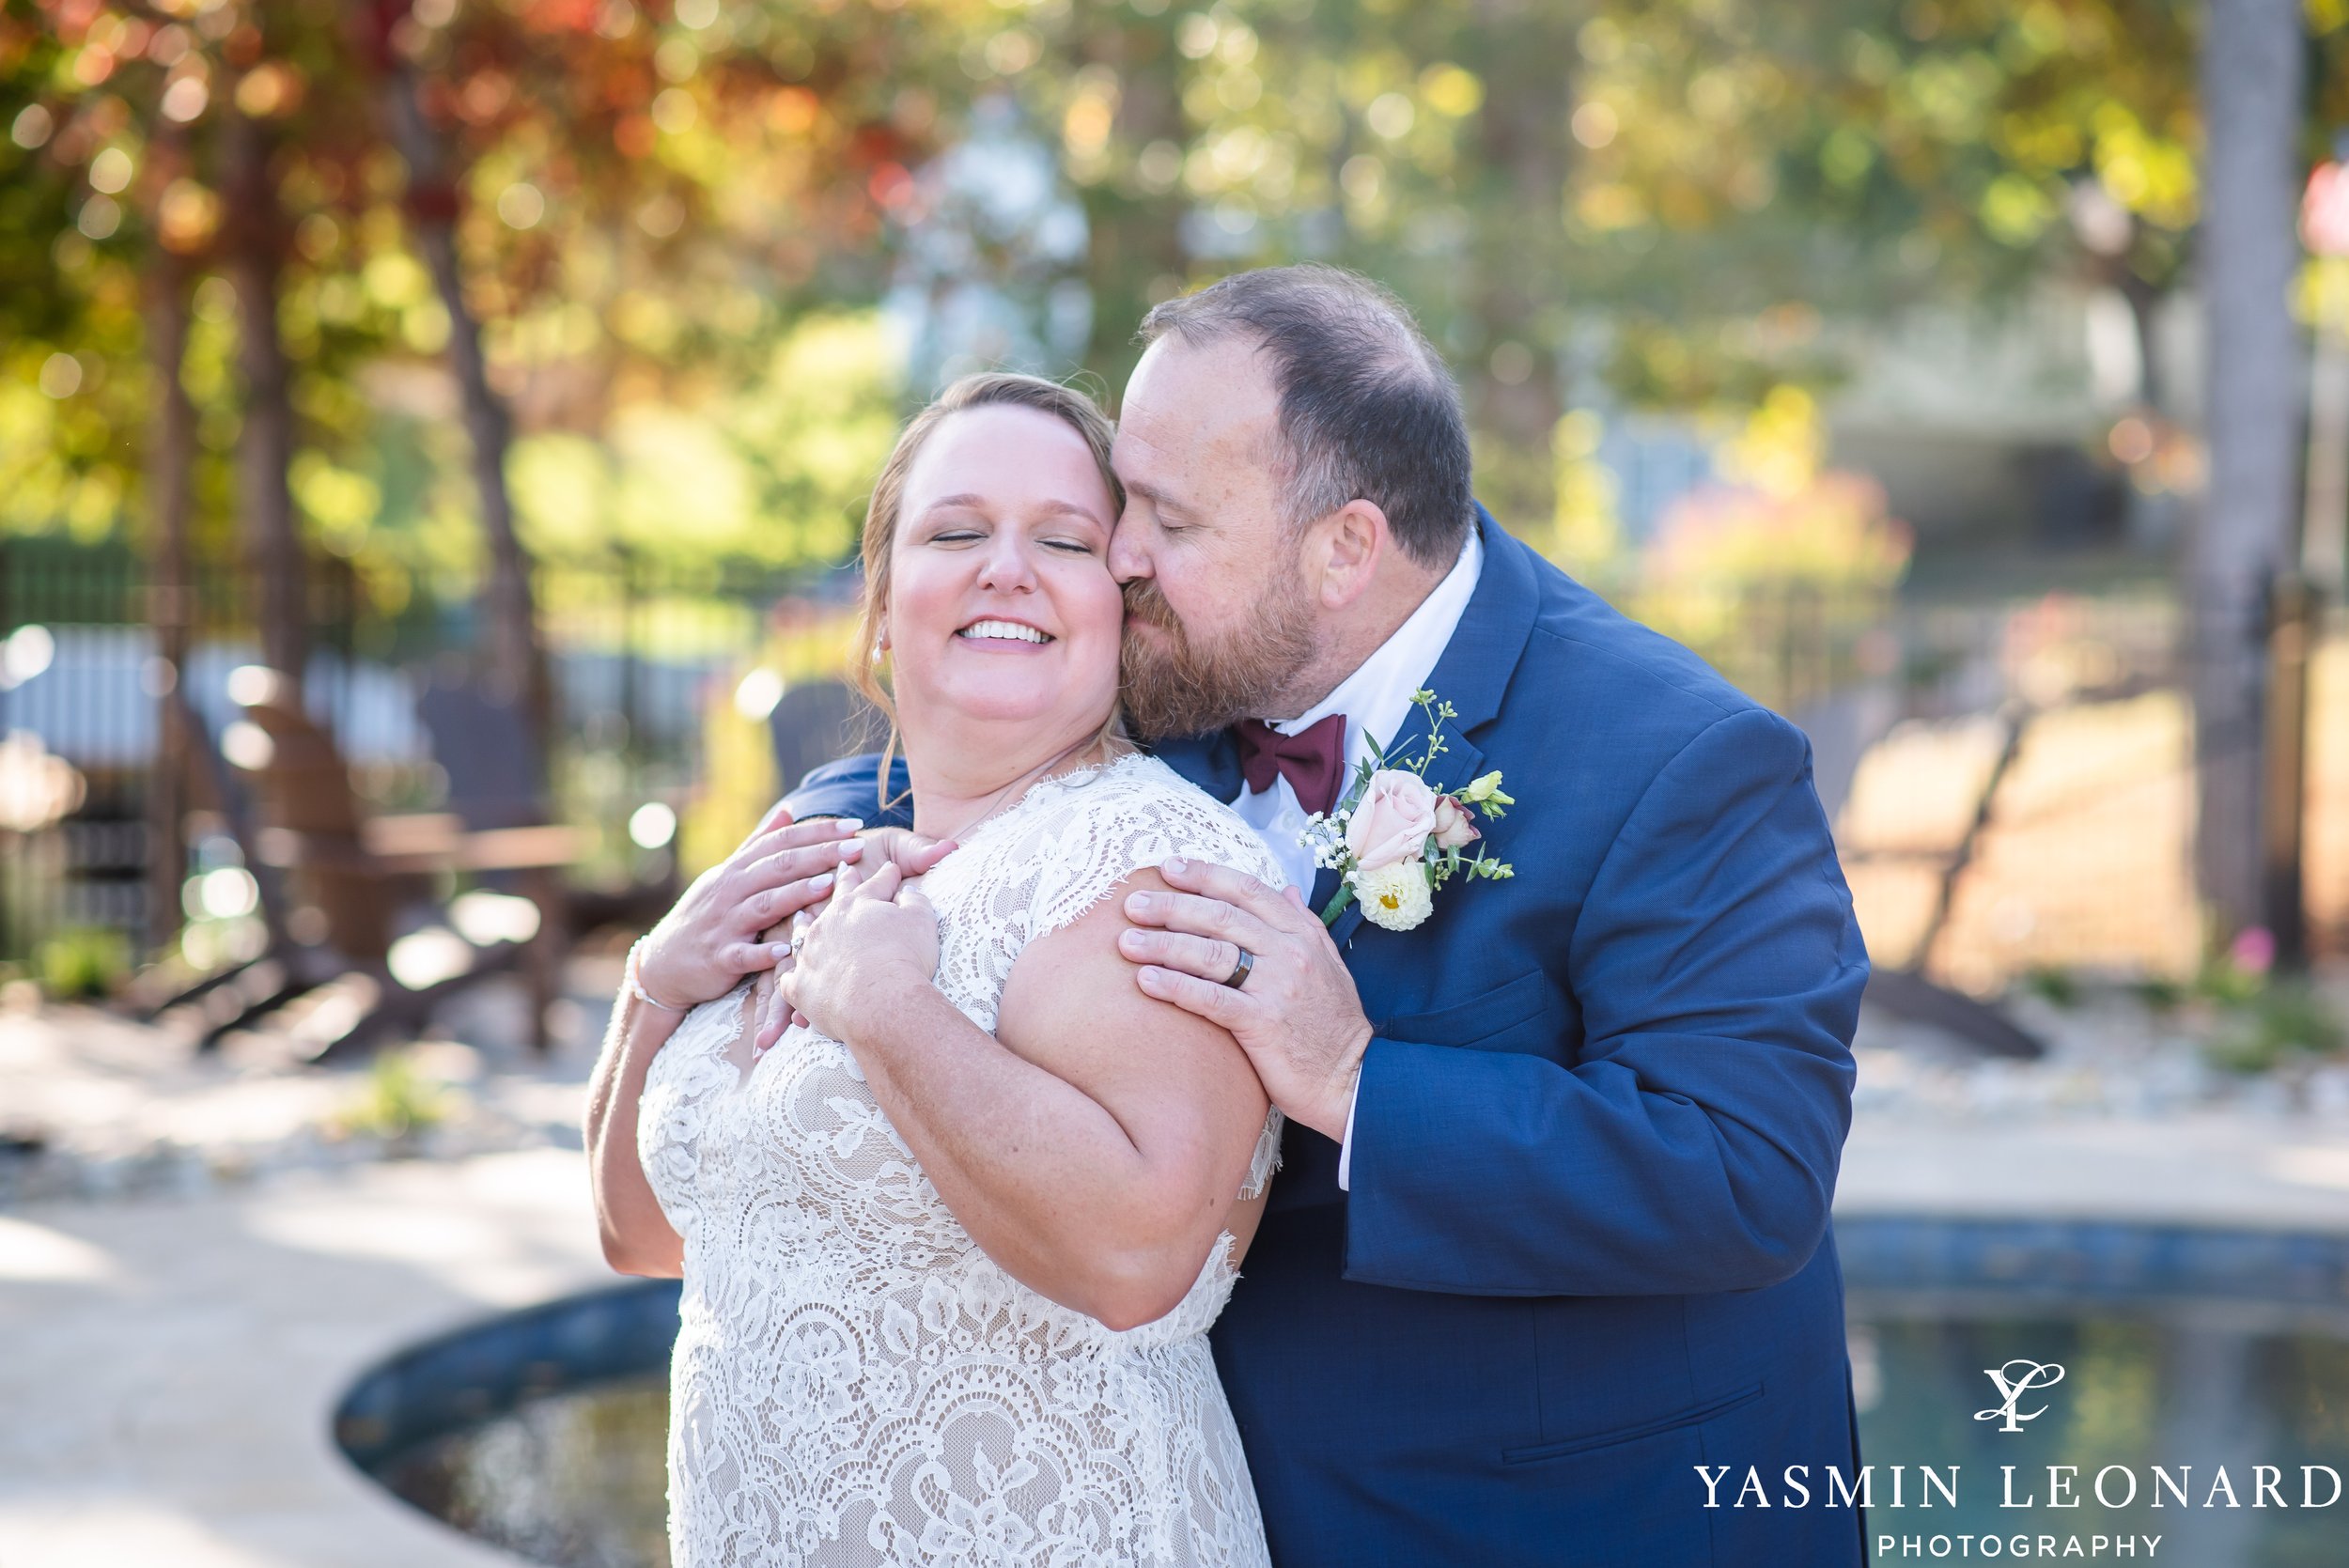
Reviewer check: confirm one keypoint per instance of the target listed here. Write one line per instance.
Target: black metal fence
(635, 647)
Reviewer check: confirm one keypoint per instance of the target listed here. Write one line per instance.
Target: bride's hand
(712, 937)
(911, 853)
(875, 939)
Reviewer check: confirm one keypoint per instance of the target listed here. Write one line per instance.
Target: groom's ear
(1351, 543)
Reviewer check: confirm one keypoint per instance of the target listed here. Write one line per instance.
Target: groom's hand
(1297, 1015)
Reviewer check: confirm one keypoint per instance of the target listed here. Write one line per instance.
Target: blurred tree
(2252, 58)
(1788, 169)
(652, 198)
(255, 227)
(660, 217)
(69, 295)
(1120, 127)
(154, 135)
(516, 653)
(170, 494)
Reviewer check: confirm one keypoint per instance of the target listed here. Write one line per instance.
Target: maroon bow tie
(1312, 761)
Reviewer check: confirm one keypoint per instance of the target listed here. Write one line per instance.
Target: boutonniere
(1395, 838)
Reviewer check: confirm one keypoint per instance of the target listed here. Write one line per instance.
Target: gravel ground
(93, 1105)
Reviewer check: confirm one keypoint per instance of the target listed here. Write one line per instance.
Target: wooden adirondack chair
(814, 723)
(488, 755)
(334, 878)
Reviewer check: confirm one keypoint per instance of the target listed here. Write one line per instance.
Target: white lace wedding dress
(856, 1383)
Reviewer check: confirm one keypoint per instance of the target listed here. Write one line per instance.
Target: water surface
(577, 1477)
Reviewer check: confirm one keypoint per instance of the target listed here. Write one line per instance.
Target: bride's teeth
(1010, 630)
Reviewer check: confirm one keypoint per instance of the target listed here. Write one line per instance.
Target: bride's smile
(1002, 621)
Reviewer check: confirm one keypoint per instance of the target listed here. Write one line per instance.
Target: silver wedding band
(1238, 976)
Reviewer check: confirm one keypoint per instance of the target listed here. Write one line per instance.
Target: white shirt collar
(1376, 697)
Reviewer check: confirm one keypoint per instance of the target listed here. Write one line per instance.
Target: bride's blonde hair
(986, 389)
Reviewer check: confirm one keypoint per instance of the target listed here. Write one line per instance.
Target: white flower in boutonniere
(1395, 838)
(1396, 896)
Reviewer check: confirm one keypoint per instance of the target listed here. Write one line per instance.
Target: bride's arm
(637, 1235)
(704, 944)
(1092, 1145)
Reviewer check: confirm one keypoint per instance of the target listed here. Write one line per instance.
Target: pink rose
(1391, 821)
(1456, 828)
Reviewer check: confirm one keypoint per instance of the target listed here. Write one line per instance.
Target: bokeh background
(435, 436)
(551, 344)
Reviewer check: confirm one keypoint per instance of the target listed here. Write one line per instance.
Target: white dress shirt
(1375, 700)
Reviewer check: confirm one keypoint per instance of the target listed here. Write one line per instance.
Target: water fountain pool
(542, 1431)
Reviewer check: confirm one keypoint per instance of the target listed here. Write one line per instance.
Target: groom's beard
(1178, 687)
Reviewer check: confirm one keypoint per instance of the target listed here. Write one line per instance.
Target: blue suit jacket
(1595, 1140)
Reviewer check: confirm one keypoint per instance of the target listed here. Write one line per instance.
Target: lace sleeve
(1104, 832)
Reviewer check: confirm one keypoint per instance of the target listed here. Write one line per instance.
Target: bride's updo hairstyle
(985, 390)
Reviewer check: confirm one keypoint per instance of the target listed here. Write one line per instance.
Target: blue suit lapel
(1481, 660)
(1472, 676)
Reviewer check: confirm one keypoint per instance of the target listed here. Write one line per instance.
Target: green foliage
(2225, 980)
(1668, 204)
(398, 1103)
(2057, 986)
(83, 962)
(775, 469)
(2285, 1024)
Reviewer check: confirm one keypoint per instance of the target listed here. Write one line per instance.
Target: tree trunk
(171, 461)
(2144, 302)
(507, 609)
(1512, 385)
(1134, 239)
(507, 614)
(2252, 80)
(265, 442)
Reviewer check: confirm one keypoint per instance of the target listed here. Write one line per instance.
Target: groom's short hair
(1368, 409)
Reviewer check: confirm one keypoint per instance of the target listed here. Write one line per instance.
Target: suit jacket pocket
(1481, 1019)
(1678, 1419)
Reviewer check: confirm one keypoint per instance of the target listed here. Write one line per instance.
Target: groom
(1552, 1226)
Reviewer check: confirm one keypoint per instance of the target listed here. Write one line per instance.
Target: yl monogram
(2011, 1388)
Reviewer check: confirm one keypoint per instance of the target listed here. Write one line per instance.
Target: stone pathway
(2224, 1170)
(194, 1265)
(2123, 1119)
(172, 1361)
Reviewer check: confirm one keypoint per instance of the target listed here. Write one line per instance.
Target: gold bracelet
(636, 986)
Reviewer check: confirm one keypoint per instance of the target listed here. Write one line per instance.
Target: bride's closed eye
(964, 533)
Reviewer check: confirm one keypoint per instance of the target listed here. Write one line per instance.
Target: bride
(951, 1247)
